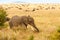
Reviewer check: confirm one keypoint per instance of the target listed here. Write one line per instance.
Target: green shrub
(31, 37)
(2, 16)
(58, 31)
(56, 34)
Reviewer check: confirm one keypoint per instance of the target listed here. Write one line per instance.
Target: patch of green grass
(55, 35)
(58, 30)
(31, 37)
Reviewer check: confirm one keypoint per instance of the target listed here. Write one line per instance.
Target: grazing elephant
(23, 20)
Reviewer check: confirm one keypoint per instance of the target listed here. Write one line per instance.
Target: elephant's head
(31, 22)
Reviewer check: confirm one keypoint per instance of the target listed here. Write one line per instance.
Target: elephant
(23, 20)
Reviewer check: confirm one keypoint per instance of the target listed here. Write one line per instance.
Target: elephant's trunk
(36, 28)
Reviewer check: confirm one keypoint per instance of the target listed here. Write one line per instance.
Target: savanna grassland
(47, 20)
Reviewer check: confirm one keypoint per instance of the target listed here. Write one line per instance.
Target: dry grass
(47, 20)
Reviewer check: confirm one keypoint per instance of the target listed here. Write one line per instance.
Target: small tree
(2, 16)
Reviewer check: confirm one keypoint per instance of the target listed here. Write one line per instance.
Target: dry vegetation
(47, 20)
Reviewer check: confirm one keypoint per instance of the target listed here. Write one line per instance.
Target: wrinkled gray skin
(23, 20)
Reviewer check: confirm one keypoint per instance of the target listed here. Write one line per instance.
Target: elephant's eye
(30, 21)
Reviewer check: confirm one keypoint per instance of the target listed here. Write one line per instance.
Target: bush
(2, 16)
(31, 37)
(58, 31)
(56, 34)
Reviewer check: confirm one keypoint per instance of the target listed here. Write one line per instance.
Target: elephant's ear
(28, 15)
(30, 19)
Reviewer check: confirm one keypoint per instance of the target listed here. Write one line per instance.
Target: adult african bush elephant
(23, 20)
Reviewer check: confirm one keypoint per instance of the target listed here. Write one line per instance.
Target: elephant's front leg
(24, 26)
(34, 26)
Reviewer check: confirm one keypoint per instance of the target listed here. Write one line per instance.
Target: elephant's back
(15, 20)
(24, 18)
